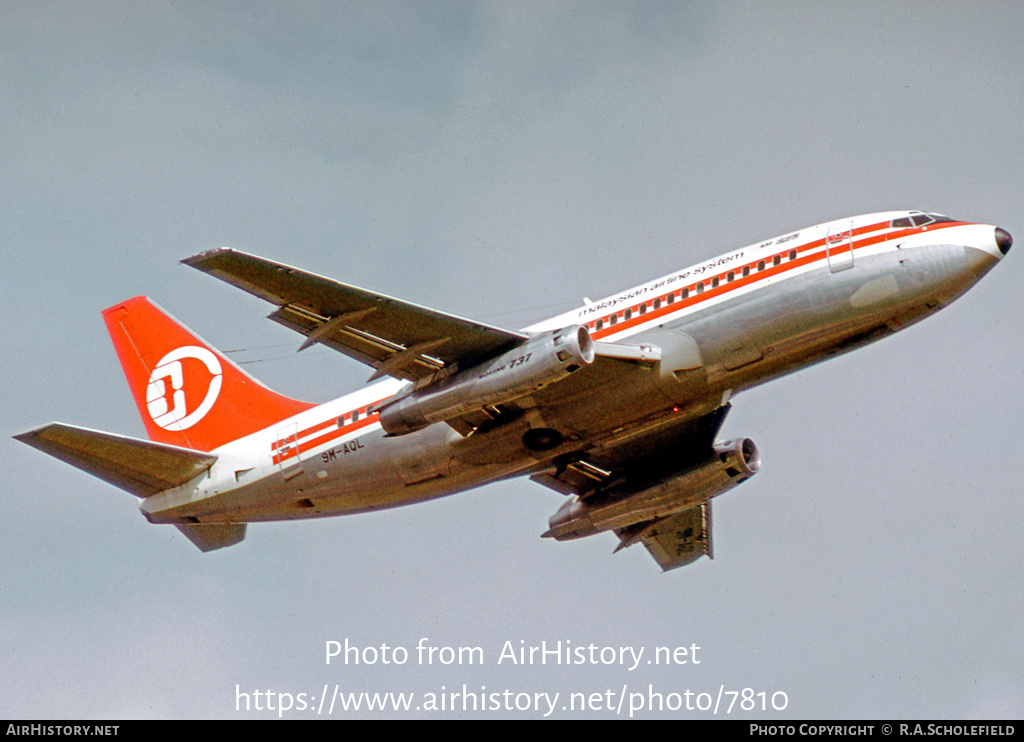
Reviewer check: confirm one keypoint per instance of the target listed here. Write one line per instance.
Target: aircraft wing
(643, 457)
(397, 338)
(677, 540)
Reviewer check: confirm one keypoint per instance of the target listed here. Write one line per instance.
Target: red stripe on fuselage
(807, 254)
(304, 444)
(810, 255)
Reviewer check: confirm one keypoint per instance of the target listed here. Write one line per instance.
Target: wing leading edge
(395, 337)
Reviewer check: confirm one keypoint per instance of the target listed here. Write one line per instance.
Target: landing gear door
(286, 451)
(839, 246)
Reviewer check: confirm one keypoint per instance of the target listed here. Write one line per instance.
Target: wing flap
(589, 471)
(357, 344)
(370, 327)
(141, 467)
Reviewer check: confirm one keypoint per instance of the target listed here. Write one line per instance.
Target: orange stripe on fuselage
(807, 254)
(810, 255)
(304, 444)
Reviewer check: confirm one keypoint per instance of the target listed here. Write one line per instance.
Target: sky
(501, 161)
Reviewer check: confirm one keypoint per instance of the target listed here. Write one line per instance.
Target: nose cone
(987, 252)
(1003, 240)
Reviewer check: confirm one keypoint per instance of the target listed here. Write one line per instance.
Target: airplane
(616, 404)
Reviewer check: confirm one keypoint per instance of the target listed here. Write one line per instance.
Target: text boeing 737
(616, 404)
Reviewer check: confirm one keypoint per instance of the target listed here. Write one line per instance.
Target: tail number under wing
(676, 541)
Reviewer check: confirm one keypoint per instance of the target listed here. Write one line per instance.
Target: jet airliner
(616, 404)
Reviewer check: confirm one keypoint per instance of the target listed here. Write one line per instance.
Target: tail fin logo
(167, 406)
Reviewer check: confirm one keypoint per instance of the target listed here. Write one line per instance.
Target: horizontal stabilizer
(214, 536)
(141, 467)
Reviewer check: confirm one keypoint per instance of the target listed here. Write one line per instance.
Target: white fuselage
(722, 326)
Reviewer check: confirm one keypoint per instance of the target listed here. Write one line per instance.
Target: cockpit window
(919, 220)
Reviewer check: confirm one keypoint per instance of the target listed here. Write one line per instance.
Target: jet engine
(732, 462)
(540, 361)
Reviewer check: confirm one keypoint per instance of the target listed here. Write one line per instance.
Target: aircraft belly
(373, 472)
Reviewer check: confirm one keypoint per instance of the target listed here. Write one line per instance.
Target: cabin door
(286, 451)
(839, 246)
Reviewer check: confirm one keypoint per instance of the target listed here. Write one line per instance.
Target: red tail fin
(188, 393)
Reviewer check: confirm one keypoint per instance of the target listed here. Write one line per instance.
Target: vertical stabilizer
(187, 392)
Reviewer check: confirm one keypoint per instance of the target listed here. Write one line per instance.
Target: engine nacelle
(733, 462)
(523, 370)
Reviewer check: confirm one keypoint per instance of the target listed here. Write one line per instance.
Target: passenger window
(792, 254)
(760, 265)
